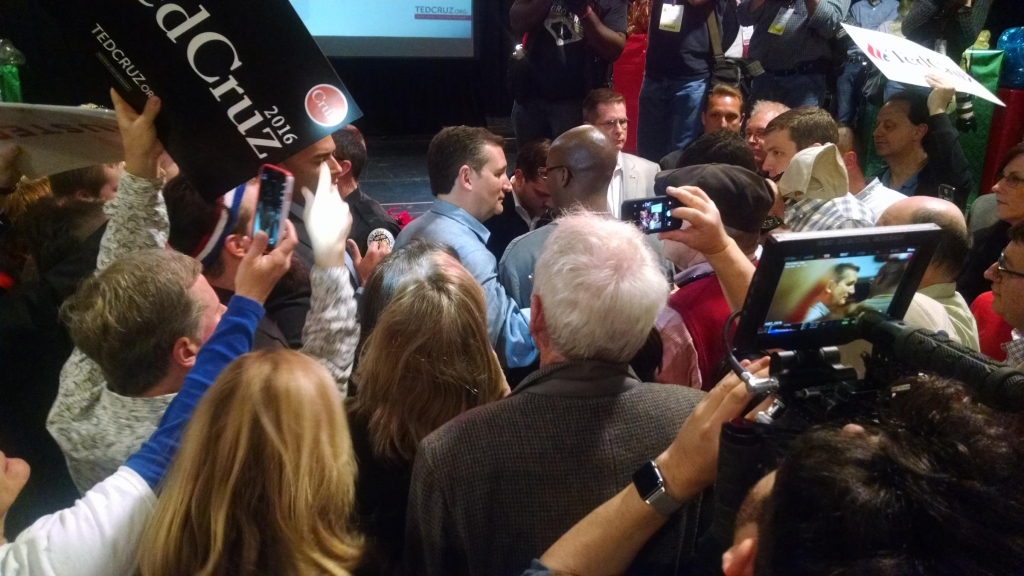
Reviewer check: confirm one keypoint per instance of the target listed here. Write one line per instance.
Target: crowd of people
(524, 383)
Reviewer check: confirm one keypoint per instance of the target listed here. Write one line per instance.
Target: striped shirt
(812, 215)
(804, 39)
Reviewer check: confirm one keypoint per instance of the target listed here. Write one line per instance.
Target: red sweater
(993, 331)
(704, 310)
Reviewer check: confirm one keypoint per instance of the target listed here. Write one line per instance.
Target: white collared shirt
(616, 187)
(531, 222)
(878, 197)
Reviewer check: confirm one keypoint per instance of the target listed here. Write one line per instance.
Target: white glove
(328, 221)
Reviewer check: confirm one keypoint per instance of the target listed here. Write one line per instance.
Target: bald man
(580, 167)
(939, 281)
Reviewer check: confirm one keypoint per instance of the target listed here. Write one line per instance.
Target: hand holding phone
(275, 199)
(652, 215)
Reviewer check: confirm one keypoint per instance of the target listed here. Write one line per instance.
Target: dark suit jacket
(946, 164)
(507, 226)
(494, 488)
(367, 216)
(987, 245)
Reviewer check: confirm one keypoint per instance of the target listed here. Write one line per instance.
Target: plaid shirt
(1015, 350)
(813, 215)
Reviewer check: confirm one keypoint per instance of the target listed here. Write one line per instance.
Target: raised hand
(691, 463)
(328, 221)
(375, 252)
(942, 94)
(259, 272)
(142, 149)
(705, 232)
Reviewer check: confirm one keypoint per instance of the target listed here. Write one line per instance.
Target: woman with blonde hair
(264, 482)
(427, 360)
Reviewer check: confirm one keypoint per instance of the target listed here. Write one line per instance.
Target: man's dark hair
(193, 218)
(1016, 233)
(954, 239)
(532, 157)
(933, 490)
(840, 269)
(917, 105)
(453, 148)
(598, 97)
(89, 181)
(721, 91)
(350, 145)
(718, 147)
(807, 125)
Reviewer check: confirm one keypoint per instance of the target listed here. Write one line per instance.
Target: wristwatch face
(647, 480)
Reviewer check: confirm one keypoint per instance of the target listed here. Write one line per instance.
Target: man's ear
(465, 178)
(739, 560)
(850, 160)
(518, 180)
(921, 132)
(346, 168)
(538, 326)
(184, 351)
(234, 245)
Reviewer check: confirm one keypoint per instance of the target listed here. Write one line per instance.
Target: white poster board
(901, 60)
(58, 138)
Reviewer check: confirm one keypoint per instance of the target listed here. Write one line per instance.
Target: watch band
(663, 503)
(650, 485)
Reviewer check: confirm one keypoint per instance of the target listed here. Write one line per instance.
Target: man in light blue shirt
(467, 169)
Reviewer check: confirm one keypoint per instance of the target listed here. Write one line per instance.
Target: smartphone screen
(652, 215)
(274, 201)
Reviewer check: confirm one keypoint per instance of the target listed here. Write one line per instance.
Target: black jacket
(508, 226)
(34, 345)
(367, 216)
(988, 244)
(947, 163)
(382, 493)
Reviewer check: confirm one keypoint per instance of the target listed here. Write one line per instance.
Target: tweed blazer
(495, 487)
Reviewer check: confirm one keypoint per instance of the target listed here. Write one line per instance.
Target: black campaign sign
(242, 81)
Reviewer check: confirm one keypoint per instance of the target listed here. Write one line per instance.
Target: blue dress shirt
(507, 325)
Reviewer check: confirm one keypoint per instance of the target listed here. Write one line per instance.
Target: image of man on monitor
(833, 299)
(884, 285)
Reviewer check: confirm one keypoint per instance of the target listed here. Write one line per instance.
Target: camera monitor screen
(810, 288)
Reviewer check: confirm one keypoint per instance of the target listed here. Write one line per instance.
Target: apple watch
(650, 484)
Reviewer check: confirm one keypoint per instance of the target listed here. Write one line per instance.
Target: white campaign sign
(58, 138)
(901, 60)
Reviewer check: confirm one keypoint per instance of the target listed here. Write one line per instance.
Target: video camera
(815, 291)
(811, 293)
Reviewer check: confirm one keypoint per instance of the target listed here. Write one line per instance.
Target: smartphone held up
(652, 215)
(275, 199)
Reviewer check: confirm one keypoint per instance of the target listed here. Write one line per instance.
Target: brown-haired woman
(427, 360)
(264, 482)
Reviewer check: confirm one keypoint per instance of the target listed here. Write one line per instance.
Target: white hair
(601, 287)
(768, 106)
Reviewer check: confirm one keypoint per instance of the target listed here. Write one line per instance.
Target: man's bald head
(903, 212)
(954, 240)
(580, 167)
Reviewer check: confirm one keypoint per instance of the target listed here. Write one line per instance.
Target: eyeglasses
(1001, 267)
(1012, 180)
(568, 172)
(621, 123)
